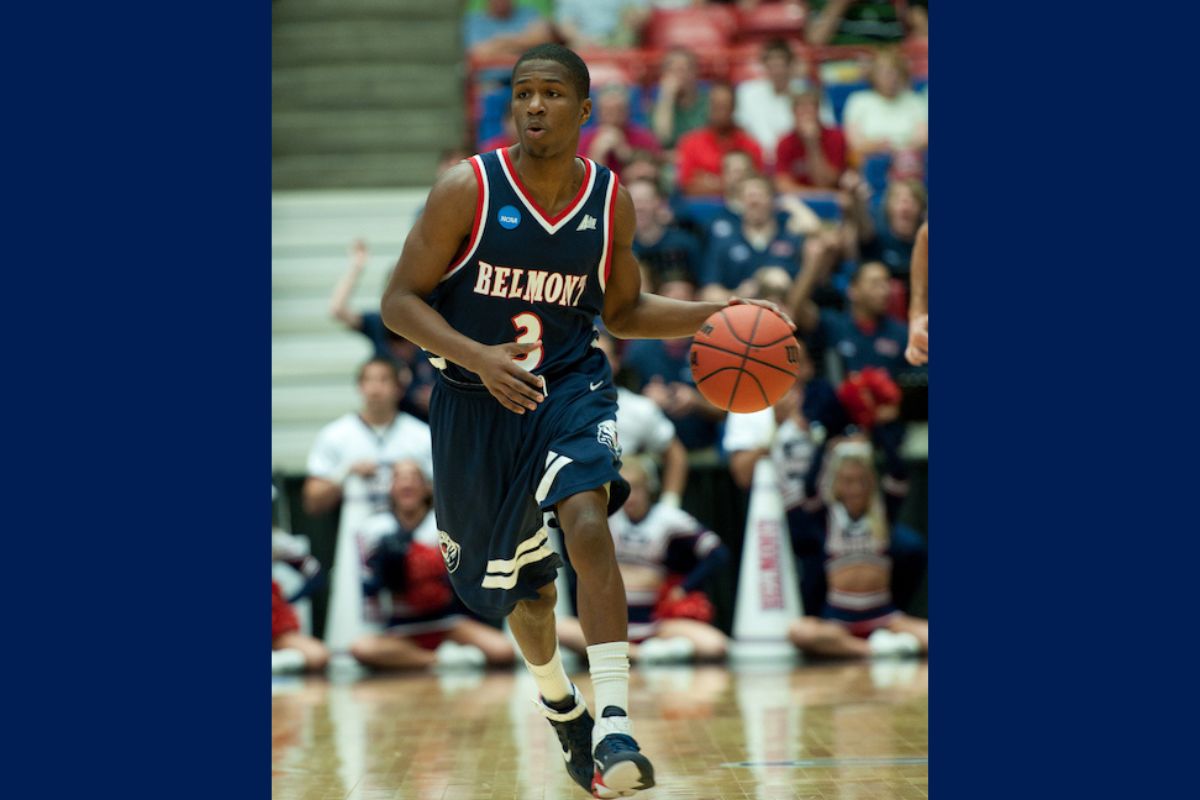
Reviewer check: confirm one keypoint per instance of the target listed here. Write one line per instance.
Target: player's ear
(585, 111)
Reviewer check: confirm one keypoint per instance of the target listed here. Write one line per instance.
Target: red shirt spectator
(700, 152)
(812, 155)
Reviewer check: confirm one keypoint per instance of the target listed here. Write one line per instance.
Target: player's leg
(621, 769)
(313, 654)
(570, 635)
(532, 625)
(820, 638)
(494, 644)
(708, 643)
(383, 651)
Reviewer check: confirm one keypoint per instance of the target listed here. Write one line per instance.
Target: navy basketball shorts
(498, 476)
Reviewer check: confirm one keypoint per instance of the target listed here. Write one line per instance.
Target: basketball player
(501, 279)
(917, 352)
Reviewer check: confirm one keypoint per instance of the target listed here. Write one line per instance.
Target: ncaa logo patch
(450, 551)
(606, 434)
(509, 217)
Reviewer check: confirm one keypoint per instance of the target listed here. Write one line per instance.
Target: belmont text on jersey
(527, 276)
(530, 285)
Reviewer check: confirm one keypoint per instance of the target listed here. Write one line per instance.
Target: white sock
(551, 678)
(287, 660)
(609, 667)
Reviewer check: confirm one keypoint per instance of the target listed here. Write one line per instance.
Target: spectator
(864, 337)
(357, 449)
(764, 105)
(853, 22)
(291, 650)
(660, 245)
(681, 104)
(614, 138)
(757, 240)
(506, 137)
(416, 372)
(886, 231)
(642, 428)
(644, 165)
(889, 117)
(503, 28)
(812, 156)
(410, 607)
(918, 306)
(699, 153)
(852, 529)
(663, 373)
(665, 556)
(584, 24)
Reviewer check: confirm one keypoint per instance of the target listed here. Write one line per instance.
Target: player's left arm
(918, 306)
(630, 313)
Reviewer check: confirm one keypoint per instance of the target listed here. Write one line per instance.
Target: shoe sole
(625, 778)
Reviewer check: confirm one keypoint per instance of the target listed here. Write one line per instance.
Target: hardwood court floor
(763, 732)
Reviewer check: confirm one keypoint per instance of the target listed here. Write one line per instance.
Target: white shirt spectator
(791, 447)
(348, 440)
(642, 427)
(598, 20)
(896, 120)
(768, 116)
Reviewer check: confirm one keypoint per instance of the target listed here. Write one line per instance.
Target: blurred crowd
(783, 156)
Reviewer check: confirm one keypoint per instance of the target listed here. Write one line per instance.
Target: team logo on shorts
(509, 217)
(606, 433)
(450, 550)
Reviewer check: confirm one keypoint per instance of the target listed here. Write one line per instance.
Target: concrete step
(371, 131)
(313, 10)
(365, 41)
(314, 404)
(363, 86)
(363, 170)
(309, 359)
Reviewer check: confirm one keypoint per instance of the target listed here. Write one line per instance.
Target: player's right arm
(430, 248)
(918, 307)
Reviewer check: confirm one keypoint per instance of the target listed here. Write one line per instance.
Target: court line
(881, 761)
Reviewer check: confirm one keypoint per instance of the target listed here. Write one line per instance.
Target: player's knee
(316, 657)
(541, 606)
(363, 651)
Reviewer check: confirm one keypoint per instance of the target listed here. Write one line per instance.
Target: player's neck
(553, 181)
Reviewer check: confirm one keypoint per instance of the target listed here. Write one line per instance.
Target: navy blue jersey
(526, 276)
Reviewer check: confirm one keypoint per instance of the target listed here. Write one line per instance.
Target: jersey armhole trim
(481, 208)
(610, 211)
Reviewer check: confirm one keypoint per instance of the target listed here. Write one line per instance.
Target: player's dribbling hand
(917, 352)
(746, 301)
(517, 389)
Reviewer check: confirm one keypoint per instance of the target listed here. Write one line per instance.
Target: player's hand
(917, 352)
(516, 388)
(746, 301)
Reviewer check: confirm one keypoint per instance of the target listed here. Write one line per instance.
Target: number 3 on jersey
(529, 329)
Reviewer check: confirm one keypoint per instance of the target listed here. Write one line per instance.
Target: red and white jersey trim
(555, 223)
(482, 200)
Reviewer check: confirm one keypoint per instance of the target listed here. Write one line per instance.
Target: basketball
(744, 358)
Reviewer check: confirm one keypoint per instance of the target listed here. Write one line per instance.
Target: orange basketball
(744, 358)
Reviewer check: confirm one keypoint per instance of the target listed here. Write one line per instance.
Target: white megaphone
(768, 595)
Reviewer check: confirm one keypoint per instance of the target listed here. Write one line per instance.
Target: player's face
(852, 487)
(409, 490)
(379, 386)
(546, 109)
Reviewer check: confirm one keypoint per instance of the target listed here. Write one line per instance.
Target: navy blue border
(137, 309)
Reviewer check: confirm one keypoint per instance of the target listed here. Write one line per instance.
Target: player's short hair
(580, 77)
